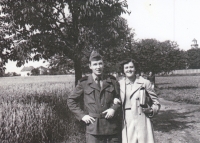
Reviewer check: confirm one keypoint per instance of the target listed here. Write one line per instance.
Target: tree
(112, 48)
(173, 58)
(147, 55)
(61, 64)
(65, 27)
(35, 71)
(2, 71)
(156, 56)
(181, 59)
(193, 58)
(5, 42)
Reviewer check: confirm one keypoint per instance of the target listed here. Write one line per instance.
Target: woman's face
(129, 69)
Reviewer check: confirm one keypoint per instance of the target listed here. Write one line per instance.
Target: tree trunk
(78, 70)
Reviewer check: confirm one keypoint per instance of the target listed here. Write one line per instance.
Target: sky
(175, 20)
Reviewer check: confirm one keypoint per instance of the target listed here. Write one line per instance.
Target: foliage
(59, 64)
(113, 57)
(181, 59)
(65, 27)
(35, 71)
(2, 69)
(10, 74)
(193, 58)
(156, 56)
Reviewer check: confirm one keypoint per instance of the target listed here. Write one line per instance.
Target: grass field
(34, 109)
(179, 88)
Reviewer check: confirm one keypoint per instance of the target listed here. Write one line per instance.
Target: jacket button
(102, 105)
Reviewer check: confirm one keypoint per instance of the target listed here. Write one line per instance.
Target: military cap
(95, 56)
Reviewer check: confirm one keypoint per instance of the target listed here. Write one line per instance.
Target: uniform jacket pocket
(109, 94)
(89, 96)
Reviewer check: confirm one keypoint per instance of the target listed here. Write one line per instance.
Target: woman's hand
(109, 113)
(116, 101)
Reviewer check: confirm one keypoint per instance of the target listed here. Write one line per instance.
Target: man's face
(97, 67)
(129, 69)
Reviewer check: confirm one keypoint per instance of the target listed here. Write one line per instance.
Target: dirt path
(177, 123)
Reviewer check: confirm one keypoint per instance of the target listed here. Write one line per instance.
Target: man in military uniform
(97, 92)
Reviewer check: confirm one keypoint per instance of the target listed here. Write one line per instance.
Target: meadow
(179, 88)
(34, 109)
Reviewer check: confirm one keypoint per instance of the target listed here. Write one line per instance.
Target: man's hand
(147, 110)
(109, 113)
(116, 101)
(88, 119)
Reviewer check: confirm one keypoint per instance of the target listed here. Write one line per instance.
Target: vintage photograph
(99, 71)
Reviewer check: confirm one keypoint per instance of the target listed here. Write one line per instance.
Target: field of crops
(34, 109)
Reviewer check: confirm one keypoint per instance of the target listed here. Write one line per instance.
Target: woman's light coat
(137, 126)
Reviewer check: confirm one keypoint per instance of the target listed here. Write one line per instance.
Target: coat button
(102, 105)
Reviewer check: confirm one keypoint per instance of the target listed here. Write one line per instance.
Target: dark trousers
(102, 138)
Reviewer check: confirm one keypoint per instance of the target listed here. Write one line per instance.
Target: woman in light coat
(140, 103)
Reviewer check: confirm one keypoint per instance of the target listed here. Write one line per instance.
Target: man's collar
(95, 76)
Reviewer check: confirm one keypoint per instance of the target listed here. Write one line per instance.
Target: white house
(26, 71)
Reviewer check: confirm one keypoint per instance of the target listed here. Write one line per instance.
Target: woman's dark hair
(126, 61)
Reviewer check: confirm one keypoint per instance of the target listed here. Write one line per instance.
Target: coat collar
(92, 83)
(137, 85)
(106, 82)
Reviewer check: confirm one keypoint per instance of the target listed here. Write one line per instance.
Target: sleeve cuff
(79, 117)
(115, 107)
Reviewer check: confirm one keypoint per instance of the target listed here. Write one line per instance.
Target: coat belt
(95, 115)
(127, 109)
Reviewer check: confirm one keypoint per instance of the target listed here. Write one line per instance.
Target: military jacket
(95, 101)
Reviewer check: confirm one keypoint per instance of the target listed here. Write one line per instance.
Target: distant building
(195, 45)
(26, 71)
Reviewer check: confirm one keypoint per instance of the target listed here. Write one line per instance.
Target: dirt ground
(177, 123)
